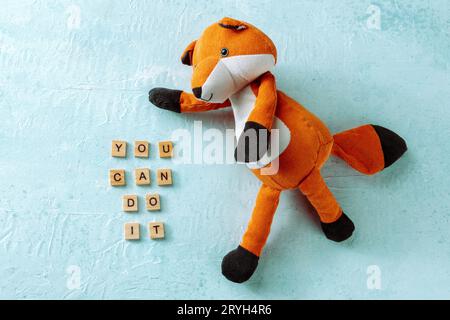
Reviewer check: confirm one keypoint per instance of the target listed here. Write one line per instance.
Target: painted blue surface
(75, 74)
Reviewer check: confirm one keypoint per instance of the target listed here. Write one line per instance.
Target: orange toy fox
(232, 63)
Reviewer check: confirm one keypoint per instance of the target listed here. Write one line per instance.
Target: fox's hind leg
(240, 264)
(335, 224)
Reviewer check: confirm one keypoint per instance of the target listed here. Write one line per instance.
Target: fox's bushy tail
(369, 148)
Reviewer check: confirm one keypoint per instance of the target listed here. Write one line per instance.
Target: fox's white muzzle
(233, 73)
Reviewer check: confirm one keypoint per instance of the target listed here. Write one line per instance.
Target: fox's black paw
(340, 230)
(253, 143)
(239, 265)
(165, 99)
(392, 144)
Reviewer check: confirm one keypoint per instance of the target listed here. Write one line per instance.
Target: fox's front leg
(253, 143)
(180, 101)
(240, 264)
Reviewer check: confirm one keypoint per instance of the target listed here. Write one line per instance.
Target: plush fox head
(228, 56)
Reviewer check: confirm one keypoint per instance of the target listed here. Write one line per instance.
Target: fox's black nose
(197, 92)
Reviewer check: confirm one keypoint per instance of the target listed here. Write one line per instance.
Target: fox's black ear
(186, 57)
(232, 24)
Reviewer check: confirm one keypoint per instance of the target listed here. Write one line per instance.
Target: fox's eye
(224, 52)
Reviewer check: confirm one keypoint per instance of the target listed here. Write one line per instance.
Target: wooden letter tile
(119, 148)
(156, 230)
(141, 149)
(132, 231)
(152, 202)
(130, 203)
(165, 149)
(164, 177)
(142, 176)
(117, 177)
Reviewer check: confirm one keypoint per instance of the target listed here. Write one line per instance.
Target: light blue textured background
(75, 74)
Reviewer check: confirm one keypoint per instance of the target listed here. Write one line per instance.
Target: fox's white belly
(242, 104)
